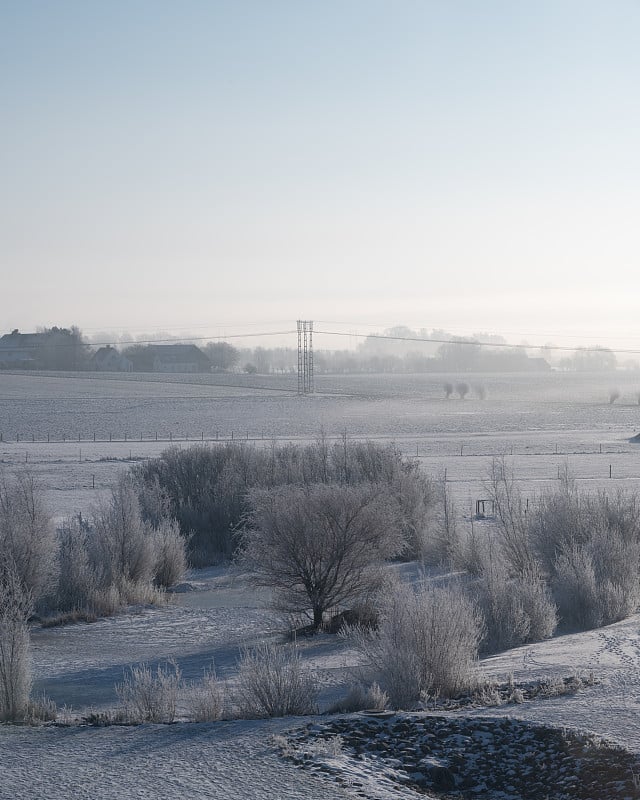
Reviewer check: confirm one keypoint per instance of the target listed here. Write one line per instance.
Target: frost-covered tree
(319, 546)
(15, 674)
(27, 537)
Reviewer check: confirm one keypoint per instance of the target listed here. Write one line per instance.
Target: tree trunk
(317, 617)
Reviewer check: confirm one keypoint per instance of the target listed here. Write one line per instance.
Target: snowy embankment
(79, 665)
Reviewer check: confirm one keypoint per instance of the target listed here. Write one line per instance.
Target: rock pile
(454, 757)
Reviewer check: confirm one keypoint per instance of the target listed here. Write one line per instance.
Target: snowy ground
(79, 665)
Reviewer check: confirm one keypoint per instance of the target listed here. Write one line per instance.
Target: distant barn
(178, 358)
(108, 359)
(21, 350)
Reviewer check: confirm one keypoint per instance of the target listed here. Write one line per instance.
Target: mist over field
(319, 400)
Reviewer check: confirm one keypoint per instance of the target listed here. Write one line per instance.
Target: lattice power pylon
(305, 356)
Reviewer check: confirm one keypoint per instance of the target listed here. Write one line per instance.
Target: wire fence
(410, 445)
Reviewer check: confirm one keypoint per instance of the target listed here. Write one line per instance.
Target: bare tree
(320, 545)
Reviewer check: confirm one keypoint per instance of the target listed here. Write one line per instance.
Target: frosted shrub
(27, 538)
(590, 547)
(539, 607)
(427, 641)
(596, 583)
(113, 559)
(121, 538)
(207, 488)
(575, 588)
(15, 668)
(77, 581)
(170, 554)
(361, 698)
(445, 543)
(516, 610)
(513, 532)
(206, 699)
(272, 683)
(149, 697)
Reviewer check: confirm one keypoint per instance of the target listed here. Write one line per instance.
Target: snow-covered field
(528, 416)
(539, 421)
(79, 665)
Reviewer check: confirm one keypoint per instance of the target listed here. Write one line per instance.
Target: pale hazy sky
(232, 166)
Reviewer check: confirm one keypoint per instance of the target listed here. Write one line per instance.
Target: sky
(232, 166)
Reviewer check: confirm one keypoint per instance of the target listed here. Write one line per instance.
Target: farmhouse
(21, 350)
(179, 358)
(108, 359)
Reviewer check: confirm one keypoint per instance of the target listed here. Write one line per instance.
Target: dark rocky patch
(454, 757)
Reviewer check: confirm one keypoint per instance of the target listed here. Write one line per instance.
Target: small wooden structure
(481, 508)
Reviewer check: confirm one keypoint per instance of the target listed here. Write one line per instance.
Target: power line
(459, 341)
(380, 336)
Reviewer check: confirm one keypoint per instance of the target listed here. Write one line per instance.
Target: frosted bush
(169, 553)
(427, 641)
(516, 610)
(27, 537)
(272, 683)
(77, 580)
(361, 698)
(206, 699)
(149, 697)
(15, 667)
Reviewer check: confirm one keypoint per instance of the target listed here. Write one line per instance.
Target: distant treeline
(397, 350)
